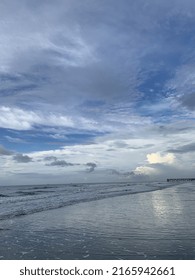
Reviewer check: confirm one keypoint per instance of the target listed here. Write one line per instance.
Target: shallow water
(24, 200)
(147, 225)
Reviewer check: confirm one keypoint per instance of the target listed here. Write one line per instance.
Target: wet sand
(152, 225)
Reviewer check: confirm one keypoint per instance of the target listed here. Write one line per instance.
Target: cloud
(105, 80)
(154, 158)
(183, 149)
(22, 158)
(120, 144)
(123, 174)
(50, 158)
(19, 119)
(161, 171)
(5, 152)
(145, 170)
(61, 163)
(14, 139)
(188, 100)
(76, 58)
(91, 166)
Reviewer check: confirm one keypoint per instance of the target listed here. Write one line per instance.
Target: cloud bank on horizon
(96, 90)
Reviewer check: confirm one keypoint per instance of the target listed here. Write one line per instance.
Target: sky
(96, 90)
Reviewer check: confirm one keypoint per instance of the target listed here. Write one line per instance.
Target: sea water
(24, 200)
(98, 221)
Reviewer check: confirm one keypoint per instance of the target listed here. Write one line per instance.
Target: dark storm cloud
(22, 158)
(189, 148)
(60, 163)
(119, 173)
(91, 166)
(50, 158)
(5, 152)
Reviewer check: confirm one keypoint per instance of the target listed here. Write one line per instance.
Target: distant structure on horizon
(180, 179)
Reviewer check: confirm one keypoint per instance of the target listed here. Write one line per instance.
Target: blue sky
(95, 91)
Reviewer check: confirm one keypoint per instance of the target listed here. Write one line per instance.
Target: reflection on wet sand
(152, 225)
(164, 207)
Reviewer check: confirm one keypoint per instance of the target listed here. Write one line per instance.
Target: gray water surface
(158, 224)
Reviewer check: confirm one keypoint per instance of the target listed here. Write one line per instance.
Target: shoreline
(149, 225)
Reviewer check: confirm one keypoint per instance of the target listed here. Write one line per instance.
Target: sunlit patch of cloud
(154, 158)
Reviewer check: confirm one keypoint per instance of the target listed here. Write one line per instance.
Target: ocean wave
(25, 200)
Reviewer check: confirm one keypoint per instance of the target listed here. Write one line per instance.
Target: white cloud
(155, 158)
(145, 170)
(15, 139)
(15, 118)
(20, 119)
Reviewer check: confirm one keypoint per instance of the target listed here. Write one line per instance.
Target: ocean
(154, 220)
(23, 200)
